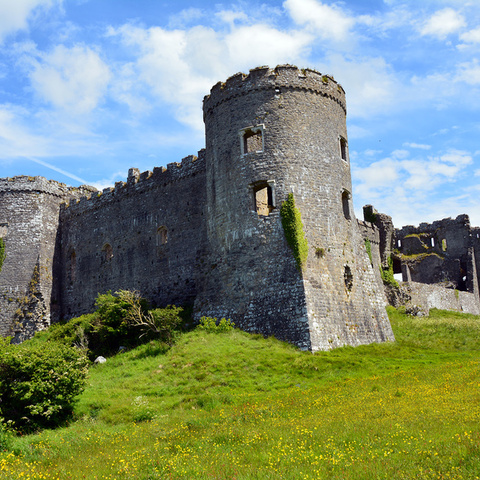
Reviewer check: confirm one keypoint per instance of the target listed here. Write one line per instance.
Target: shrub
(122, 319)
(39, 383)
(212, 325)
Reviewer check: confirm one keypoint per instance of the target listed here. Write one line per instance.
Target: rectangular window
(251, 140)
(264, 197)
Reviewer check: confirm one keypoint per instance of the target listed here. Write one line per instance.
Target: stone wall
(146, 234)
(29, 208)
(208, 230)
(422, 297)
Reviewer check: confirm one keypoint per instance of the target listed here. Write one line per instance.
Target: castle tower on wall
(268, 134)
(29, 210)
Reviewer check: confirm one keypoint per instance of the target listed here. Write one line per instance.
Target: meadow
(238, 406)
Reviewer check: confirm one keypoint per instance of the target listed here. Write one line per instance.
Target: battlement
(136, 183)
(277, 79)
(25, 183)
(460, 221)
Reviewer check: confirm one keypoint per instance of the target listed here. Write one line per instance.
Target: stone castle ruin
(208, 231)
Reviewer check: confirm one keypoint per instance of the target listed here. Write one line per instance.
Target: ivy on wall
(2, 253)
(368, 247)
(387, 274)
(293, 228)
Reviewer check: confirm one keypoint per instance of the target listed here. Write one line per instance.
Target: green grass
(238, 406)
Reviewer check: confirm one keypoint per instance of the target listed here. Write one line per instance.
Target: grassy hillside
(238, 406)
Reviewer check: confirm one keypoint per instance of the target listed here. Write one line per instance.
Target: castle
(208, 231)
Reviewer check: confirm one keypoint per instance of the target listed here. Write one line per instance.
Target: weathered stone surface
(208, 230)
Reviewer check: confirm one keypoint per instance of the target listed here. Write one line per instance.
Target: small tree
(160, 322)
(39, 383)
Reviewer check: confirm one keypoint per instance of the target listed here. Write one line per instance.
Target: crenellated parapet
(276, 79)
(137, 183)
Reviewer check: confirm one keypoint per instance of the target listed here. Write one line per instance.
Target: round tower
(29, 210)
(268, 134)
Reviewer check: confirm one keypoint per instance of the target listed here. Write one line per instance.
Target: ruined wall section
(422, 297)
(298, 117)
(29, 209)
(440, 252)
(145, 235)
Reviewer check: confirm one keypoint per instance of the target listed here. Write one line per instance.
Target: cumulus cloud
(180, 66)
(14, 14)
(443, 23)
(329, 22)
(400, 184)
(412, 173)
(74, 79)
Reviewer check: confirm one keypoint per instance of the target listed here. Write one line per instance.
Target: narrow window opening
(251, 140)
(444, 244)
(162, 236)
(348, 278)
(399, 244)
(346, 204)
(343, 148)
(432, 242)
(107, 252)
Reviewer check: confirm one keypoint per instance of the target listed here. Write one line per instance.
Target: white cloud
(370, 83)
(180, 66)
(329, 22)
(74, 79)
(443, 23)
(418, 145)
(268, 46)
(14, 14)
(473, 36)
(469, 72)
(416, 176)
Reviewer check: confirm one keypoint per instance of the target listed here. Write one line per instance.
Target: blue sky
(90, 88)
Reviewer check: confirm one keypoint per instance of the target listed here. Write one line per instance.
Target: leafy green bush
(121, 319)
(212, 325)
(39, 383)
(293, 228)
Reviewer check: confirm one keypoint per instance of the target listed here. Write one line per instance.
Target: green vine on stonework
(293, 228)
(368, 247)
(2, 253)
(387, 274)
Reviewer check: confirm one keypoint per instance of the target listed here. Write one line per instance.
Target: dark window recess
(162, 236)
(263, 199)
(348, 278)
(107, 252)
(343, 148)
(346, 204)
